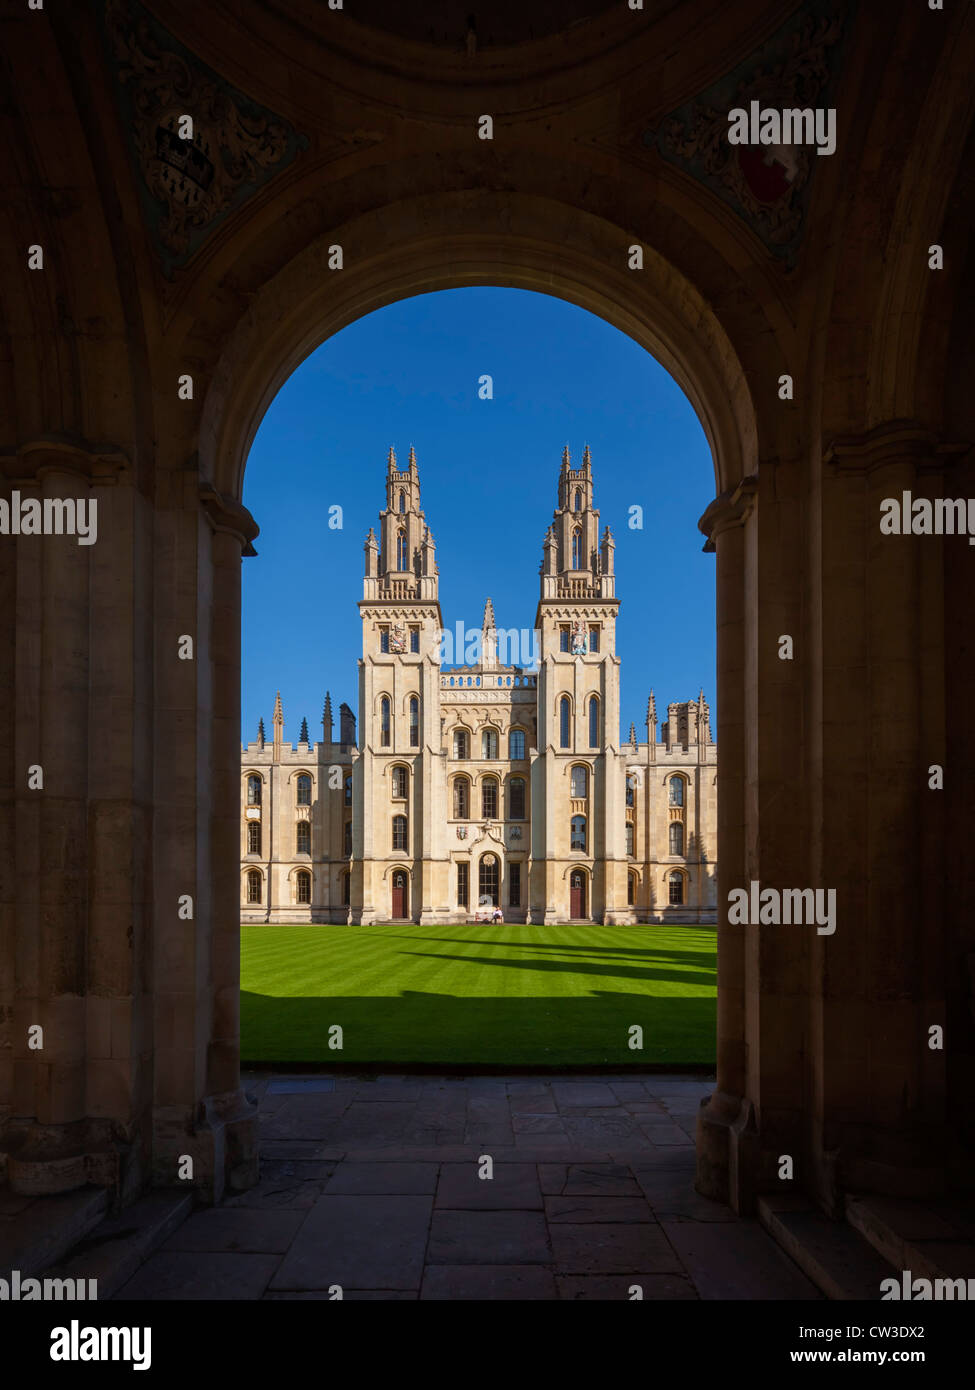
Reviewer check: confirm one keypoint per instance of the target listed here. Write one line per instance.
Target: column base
(213, 1154)
(42, 1160)
(728, 1154)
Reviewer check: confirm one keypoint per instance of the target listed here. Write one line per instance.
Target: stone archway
(125, 948)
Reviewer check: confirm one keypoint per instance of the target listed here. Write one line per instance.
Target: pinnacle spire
(566, 459)
(586, 457)
(488, 625)
(391, 460)
(303, 736)
(633, 734)
(260, 731)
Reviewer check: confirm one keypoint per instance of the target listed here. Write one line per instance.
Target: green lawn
(506, 995)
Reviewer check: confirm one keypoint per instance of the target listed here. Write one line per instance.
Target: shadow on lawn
(451, 1031)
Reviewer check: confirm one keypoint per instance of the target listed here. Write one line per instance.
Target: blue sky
(408, 374)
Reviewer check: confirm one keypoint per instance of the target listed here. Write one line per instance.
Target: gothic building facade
(502, 782)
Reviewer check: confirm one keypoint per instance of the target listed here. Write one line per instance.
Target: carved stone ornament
(397, 638)
(462, 832)
(767, 185)
(191, 181)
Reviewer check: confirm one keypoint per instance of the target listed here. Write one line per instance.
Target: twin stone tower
(499, 782)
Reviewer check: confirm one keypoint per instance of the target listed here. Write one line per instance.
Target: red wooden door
(399, 895)
(577, 895)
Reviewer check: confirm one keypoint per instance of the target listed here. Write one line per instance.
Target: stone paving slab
(600, 1209)
(371, 1183)
(361, 1242)
(194, 1275)
(488, 1237)
(604, 1248)
(383, 1179)
(737, 1260)
(237, 1229)
(493, 1282)
(620, 1287)
(514, 1187)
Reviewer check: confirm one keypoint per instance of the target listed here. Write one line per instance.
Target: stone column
(723, 1120)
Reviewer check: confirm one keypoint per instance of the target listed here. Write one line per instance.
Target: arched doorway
(400, 895)
(577, 894)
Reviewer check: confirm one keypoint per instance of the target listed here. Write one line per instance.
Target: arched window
(578, 840)
(516, 744)
(401, 782)
(303, 887)
(303, 837)
(402, 559)
(487, 878)
(347, 838)
(460, 743)
(577, 501)
(399, 832)
(489, 743)
(253, 791)
(676, 837)
(676, 890)
(346, 889)
(676, 789)
(384, 721)
(630, 790)
(594, 722)
(254, 837)
(402, 502)
(414, 722)
(565, 715)
(348, 791)
(630, 889)
(253, 887)
(629, 837)
(304, 790)
(577, 549)
(489, 798)
(462, 798)
(516, 798)
(579, 781)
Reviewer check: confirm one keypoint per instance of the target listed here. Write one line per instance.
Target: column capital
(59, 453)
(893, 441)
(228, 515)
(729, 509)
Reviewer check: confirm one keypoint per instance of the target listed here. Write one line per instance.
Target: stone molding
(27, 464)
(890, 442)
(729, 509)
(226, 514)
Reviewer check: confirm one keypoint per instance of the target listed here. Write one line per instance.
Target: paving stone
(603, 1248)
(237, 1229)
(300, 1085)
(587, 1132)
(529, 1087)
(626, 1091)
(582, 1093)
(348, 1296)
(304, 1117)
(297, 1169)
(387, 1093)
(488, 1282)
(602, 1209)
(358, 1242)
(644, 1107)
(305, 1150)
(736, 1261)
(488, 1237)
(537, 1124)
(199, 1275)
(671, 1194)
(595, 1180)
(618, 1287)
(531, 1104)
(383, 1179)
(663, 1131)
(514, 1187)
(274, 1196)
